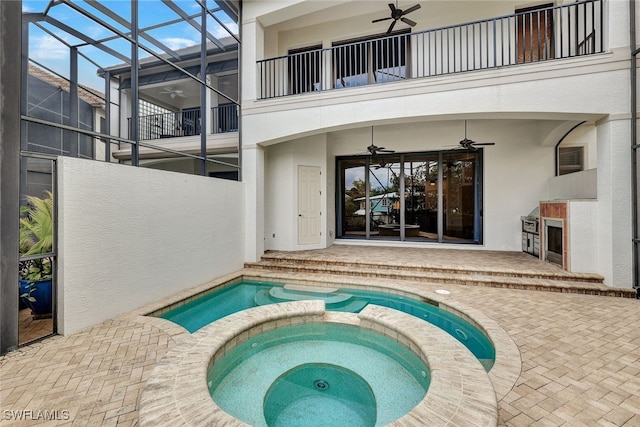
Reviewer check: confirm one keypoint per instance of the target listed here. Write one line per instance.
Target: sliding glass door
(431, 196)
(459, 196)
(421, 197)
(353, 204)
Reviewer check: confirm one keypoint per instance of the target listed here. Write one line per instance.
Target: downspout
(560, 142)
(634, 142)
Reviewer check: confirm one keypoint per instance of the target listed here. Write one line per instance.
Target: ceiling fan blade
(392, 7)
(408, 22)
(391, 26)
(384, 150)
(381, 19)
(483, 143)
(411, 9)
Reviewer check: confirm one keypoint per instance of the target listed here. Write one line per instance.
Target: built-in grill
(531, 232)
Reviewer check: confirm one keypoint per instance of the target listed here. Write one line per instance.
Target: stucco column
(614, 202)
(252, 154)
(252, 50)
(253, 180)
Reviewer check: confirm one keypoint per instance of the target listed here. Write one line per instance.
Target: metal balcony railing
(527, 37)
(224, 118)
(168, 125)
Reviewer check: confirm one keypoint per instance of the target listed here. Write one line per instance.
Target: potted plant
(36, 237)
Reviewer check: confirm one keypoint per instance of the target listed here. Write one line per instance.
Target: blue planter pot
(41, 292)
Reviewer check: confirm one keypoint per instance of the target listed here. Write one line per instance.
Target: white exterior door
(309, 205)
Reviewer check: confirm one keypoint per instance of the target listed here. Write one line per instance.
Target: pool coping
(506, 368)
(460, 392)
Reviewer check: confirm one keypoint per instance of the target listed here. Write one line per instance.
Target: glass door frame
(478, 191)
(51, 256)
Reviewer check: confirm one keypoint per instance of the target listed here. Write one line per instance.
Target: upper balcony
(528, 36)
(186, 122)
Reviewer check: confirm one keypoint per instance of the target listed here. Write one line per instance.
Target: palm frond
(36, 226)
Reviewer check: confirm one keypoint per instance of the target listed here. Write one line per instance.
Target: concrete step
(568, 283)
(463, 270)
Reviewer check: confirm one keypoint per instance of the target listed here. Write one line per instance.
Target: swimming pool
(178, 392)
(247, 294)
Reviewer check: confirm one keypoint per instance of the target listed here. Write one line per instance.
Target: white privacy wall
(130, 236)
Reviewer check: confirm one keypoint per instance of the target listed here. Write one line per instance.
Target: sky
(48, 50)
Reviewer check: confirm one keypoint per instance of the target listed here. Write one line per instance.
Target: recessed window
(570, 159)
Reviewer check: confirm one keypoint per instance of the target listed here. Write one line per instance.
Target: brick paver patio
(580, 363)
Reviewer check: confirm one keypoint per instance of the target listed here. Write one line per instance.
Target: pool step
(285, 294)
(567, 283)
(333, 300)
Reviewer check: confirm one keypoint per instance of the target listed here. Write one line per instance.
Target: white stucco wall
(577, 185)
(583, 247)
(614, 231)
(281, 191)
(130, 236)
(254, 202)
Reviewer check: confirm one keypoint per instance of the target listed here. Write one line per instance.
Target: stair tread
(426, 267)
(537, 285)
(423, 273)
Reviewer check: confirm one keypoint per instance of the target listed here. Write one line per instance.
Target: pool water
(319, 374)
(322, 395)
(247, 294)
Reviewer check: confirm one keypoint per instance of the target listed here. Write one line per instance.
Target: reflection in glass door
(459, 195)
(421, 197)
(384, 178)
(353, 213)
(432, 196)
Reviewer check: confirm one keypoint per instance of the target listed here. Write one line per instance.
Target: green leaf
(36, 226)
(36, 236)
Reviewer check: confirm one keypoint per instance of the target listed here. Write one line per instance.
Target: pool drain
(321, 384)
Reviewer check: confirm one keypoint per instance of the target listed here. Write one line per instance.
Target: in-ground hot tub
(459, 391)
(326, 373)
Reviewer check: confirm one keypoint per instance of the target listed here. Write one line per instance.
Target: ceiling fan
(469, 144)
(398, 15)
(374, 150)
(173, 92)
